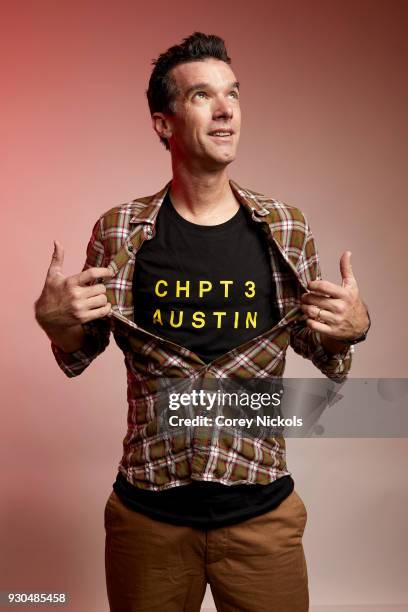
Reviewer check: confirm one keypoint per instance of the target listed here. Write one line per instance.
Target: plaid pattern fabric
(157, 460)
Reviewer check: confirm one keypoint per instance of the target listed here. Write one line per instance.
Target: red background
(324, 105)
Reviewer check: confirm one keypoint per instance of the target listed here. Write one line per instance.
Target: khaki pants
(257, 565)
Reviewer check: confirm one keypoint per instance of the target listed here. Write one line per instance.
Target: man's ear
(161, 125)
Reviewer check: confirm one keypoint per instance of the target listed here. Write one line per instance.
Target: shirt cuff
(334, 365)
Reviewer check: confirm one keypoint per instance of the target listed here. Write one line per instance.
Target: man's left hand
(333, 310)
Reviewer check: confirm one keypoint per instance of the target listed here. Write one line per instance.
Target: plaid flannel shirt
(156, 460)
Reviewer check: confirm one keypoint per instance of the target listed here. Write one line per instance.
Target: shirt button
(130, 247)
(148, 231)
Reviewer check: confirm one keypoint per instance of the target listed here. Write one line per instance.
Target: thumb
(346, 270)
(57, 259)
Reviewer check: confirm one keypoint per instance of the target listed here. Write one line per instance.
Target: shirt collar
(145, 210)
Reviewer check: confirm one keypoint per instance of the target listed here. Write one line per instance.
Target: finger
(57, 259)
(319, 314)
(93, 290)
(96, 301)
(91, 275)
(315, 299)
(319, 327)
(346, 270)
(328, 289)
(98, 313)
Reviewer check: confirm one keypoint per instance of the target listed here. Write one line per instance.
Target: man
(203, 279)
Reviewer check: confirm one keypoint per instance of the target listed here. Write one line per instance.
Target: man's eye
(235, 94)
(201, 93)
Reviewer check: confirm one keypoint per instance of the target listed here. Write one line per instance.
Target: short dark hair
(162, 90)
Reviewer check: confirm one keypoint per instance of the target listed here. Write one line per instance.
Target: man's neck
(203, 198)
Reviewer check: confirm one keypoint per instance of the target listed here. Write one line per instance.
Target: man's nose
(223, 108)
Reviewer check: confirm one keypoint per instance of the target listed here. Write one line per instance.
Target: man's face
(208, 101)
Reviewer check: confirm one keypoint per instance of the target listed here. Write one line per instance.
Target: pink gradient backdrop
(324, 99)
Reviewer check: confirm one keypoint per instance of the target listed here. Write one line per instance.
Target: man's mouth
(221, 133)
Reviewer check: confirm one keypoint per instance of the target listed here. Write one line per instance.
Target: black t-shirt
(205, 505)
(210, 289)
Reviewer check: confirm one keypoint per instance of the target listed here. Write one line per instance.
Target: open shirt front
(157, 460)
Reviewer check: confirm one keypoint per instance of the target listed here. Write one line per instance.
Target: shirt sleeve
(307, 342)
(96, 332)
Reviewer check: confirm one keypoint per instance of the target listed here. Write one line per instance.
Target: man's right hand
(68, 301)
